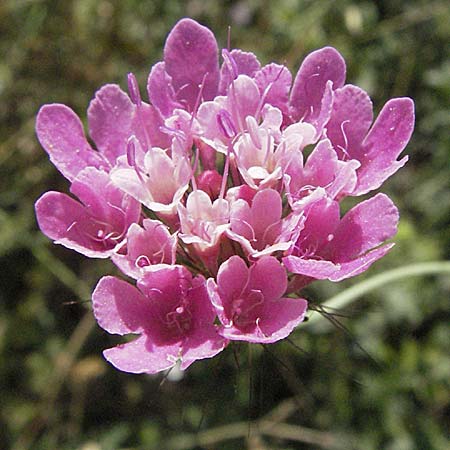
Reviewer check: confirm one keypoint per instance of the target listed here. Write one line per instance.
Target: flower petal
(61, 133)
(204, 343)
(160, 90)
(232, 277)
(110, 117)
(265, 211)
(119, 307)
(268, 276)
(310, 84)
(190, 54)
(359, 265)
(64, 220)
(140, 356)
(244, 63)
(387, 138)
(365, 226)
(313, 268)
(350, 120)
(281, 317)
(242, 100)
(277, 80)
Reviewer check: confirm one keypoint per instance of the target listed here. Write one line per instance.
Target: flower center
(245, 310)
(179, 320)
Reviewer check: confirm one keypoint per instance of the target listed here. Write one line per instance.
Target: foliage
(381, 383)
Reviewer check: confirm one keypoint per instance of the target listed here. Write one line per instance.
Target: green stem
(353, 293)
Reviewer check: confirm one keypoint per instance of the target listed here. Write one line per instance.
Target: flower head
(222, 195)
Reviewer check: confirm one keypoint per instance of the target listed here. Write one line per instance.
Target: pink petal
(153, 121)
(232, 277)
(150, 245)
(110, 117)
(313, 268)
(310, 84)
(281, 317)
(167, 282)
(140, 356)
(200, 306)
(104, 200)
(350, 120)
(61, 133)
(268, 276)
(216, 299)
(64, 220)
(365, 226)
(245, 63)
(90, 187)
(320, 167)
(240, 219)
(277, 80)
(243, 99)
(204, 343)
(160, 90)
(387, 138)
(266, 210)
(191, 53)
(359, 265)
(119, 307)
(322, 218)
(278, 320)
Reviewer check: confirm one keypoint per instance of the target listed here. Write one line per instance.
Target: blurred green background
(379, 381)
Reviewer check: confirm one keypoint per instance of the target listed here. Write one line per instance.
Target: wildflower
(170, 311)
(145, 246)
(209, 199)
(97, 226)
(249, 301)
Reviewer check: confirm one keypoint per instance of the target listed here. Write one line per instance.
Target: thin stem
(353, 293)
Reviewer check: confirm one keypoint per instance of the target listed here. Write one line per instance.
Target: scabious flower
(206, 197)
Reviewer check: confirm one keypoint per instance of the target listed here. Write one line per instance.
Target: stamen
(135, 95)
(198, 99)
(344, 150)
(133, 89)
(142, 261)
(193, 169)
(271, 226)
(226, 125)
(252, 127)
(73, 224)
(229, 60)
(252, 231)
(225, 173)
(131, 157)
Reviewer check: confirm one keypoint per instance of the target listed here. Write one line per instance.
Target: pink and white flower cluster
(221, 197)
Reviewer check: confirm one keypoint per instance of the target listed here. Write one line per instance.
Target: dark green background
(382, 385)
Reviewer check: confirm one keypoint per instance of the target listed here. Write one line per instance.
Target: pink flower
(259, 227)
(334, 248)
(322, 169)
(147, 246)
(376, 149)
(203, 223)
(159, 183)
(249, 301)
(171, 313)
(97, 226)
